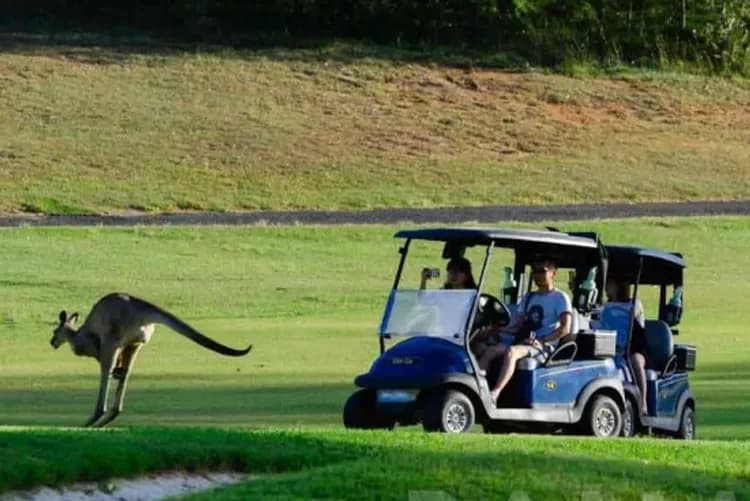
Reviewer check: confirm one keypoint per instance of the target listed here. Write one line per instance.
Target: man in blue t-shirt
(546, 316)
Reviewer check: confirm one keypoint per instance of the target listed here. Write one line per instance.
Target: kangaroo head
(65, 330)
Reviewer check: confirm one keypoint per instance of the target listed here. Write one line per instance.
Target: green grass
(305, 464)
(86, 129)
(309, 299)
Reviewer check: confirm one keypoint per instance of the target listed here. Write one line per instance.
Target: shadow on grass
(497, 475)
(104, 48)
(201, 403)
(356, 465)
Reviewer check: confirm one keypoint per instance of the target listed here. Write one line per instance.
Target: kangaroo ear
(73, 319)
(63, 317)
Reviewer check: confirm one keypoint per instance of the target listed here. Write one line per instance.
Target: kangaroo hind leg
(123, 367)
(107, 358)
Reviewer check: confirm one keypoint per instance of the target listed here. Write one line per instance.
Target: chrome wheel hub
(605, 422)
(456, 418)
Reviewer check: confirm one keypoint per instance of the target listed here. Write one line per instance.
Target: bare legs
(510, 358)
(638, 362)
(489, 354)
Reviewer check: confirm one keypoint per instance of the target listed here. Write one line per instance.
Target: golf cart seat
(659, 344)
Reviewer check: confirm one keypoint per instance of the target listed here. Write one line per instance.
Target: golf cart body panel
(418, 362)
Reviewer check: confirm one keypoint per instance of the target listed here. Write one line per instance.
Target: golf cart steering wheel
(490, 310)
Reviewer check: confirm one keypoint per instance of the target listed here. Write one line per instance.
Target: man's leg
(491, 353)
(512, 356)
(638, 362)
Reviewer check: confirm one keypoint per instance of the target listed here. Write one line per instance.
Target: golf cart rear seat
(659, 346)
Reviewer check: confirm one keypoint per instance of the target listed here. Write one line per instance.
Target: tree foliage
(712, 33)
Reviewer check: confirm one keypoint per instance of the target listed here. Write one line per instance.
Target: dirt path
(485, 214)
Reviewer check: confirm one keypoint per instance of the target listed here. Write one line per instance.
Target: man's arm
(566, 319)
(514, 326)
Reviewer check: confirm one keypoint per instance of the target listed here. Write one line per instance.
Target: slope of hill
(102, 130)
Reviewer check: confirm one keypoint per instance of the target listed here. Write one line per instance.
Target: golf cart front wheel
(687, 424)
(449, 412)
(360, 412)
(603, 418)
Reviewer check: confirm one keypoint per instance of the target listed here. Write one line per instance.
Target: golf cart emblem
(550, 385)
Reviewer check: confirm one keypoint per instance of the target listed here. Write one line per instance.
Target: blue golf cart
(426, 372)
(670, 403)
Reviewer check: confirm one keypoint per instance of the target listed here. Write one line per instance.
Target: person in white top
(546, 316)
(616, 315)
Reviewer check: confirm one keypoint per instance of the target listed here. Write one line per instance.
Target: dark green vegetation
(358, 465)
(112, 130)
(710, 34)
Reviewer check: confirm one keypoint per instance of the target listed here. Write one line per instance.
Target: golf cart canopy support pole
(403, 250)
(632, 303)
(473, 314)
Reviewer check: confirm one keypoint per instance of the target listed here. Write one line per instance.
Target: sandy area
(136, 489)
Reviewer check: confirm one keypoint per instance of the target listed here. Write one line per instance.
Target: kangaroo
(118, 326)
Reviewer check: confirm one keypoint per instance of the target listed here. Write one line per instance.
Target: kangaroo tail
(163, 317)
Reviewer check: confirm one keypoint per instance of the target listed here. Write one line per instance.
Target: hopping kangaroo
(115, 330)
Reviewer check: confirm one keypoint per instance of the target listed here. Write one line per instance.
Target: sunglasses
(540, 269)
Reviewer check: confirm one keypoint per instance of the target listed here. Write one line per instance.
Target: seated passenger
(545, 318)
(616, 315)
(459, 275)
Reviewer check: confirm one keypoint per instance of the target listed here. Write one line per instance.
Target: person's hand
(425, 274)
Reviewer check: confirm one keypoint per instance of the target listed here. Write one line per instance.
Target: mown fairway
(309, 298)
(102, 130)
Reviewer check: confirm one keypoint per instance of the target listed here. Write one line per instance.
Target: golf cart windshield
(437, 313)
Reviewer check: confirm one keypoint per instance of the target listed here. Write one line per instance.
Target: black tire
(629, 420)
(448, 411)
(360, 412)
(687, 424)
(602, 417)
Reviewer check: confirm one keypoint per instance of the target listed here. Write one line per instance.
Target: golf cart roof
(659, 267)
(568, 249)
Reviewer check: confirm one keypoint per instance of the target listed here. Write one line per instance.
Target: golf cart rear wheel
(687, 424)
(448, 411)
(628, 419)
(603, 417)
(360, 412)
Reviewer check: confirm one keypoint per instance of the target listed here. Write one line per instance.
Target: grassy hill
(111, 130)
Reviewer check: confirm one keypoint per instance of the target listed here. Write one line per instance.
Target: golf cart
(670, 403)
(431, 375)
